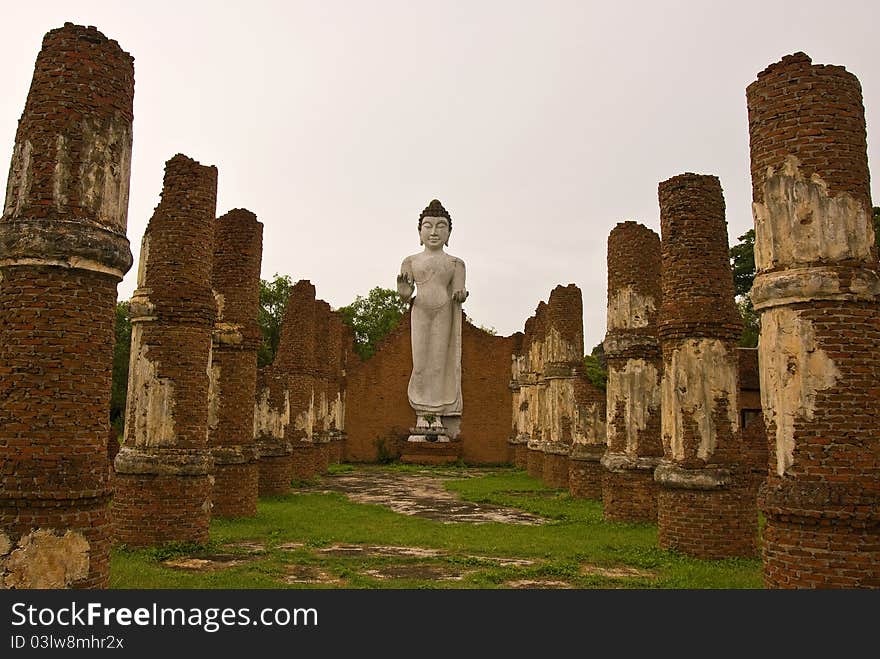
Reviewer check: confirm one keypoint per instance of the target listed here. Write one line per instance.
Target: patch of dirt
(309, 574)
(247, 546)
(619, 572)
(417, 571)
(523, 584)
(505, 562)
(291, 546)
(380, 550)
(206, 563)
(420, 494)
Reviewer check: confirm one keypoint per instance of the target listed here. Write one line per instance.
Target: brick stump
(585, 471)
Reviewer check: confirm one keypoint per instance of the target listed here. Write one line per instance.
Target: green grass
(575, 546)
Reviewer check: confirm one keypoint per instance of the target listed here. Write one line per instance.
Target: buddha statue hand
(405, 286)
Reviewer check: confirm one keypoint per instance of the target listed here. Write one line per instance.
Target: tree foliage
(273, 299)
(121, 354)
(742, 262)
(371, 318)
(596, 368)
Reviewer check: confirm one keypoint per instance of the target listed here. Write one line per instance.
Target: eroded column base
(275, 466)
(555, 468)
(819, 535)
(55, 543)
(706, 513)
(585, 471)
(629, 491)
(521, 455)
(236, 489)
(308, 460)
(151, 509)
(535, 460)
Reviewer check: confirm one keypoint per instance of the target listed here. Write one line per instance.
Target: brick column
(817, 288)
(519, 434)
(238, 249)
(63, 250)
(163, 471)
(321, 386)
(335, 407)
(632, 351)
(536, 391)
(295, 364)
(705, 508)
(271, 419)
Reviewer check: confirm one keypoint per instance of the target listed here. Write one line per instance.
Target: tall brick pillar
(296, 364)
(817, 288)
(321, 385)
(63, 250)
(705, 507)
(535, 390)
(335, 420)
(632, 351)
(519, 426)
(271, 420)
(163, 471)
(238, 250)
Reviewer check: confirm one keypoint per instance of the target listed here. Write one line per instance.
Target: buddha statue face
(434, 232)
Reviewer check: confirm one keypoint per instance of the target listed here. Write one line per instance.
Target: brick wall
(64, 249)
(377, 407)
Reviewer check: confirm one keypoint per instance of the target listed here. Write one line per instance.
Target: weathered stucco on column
(632, 354)
(817, 288)
(63, 250)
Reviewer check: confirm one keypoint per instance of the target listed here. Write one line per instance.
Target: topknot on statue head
(435, 209)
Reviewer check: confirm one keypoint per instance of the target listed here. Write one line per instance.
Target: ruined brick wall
(377, 407)
(63, 249)
(817, 289)
(635, 366)
(238, 249)
(163, 489)
(704, 505)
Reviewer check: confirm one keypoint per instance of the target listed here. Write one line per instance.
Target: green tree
(742, 261)
(371, 318)
(121, 353)
(273, 298)
(596, 368)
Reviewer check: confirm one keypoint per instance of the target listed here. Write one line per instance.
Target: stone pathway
(420, 494)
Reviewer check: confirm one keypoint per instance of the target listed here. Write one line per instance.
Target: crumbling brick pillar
(295, 362)
(238, 249)
(163, 471)
(632, 352)
(705, 506)
(518, 450)
(536, 391)
(271, 419)
(63, 250)
(335, 420)
(321, 386)
(817, 289)
(590, 442)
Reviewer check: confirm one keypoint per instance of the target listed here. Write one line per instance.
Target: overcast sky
(539, 125)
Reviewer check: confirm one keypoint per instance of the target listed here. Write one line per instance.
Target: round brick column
(163, 471)
(63, 250)
(271, 417)
(632, 352)
(705, 507)
(238, 249)
(817, 289)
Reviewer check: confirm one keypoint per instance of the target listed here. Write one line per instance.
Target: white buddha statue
(434, 281)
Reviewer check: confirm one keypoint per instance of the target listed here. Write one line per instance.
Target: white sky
(539, 125)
